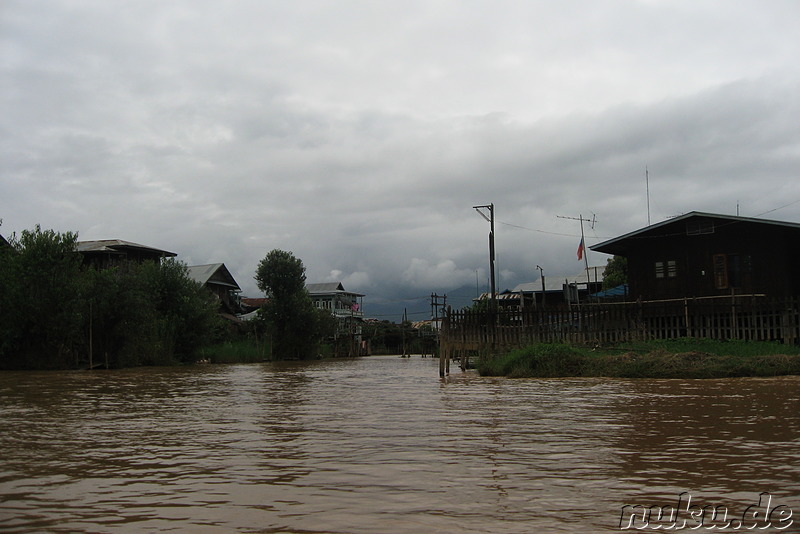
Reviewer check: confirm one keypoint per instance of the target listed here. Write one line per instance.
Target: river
(381, 444)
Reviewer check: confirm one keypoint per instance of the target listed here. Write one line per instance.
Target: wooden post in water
(91, 347)
(403, 331)
(444, 344)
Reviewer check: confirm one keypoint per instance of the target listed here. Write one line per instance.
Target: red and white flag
(580, 250)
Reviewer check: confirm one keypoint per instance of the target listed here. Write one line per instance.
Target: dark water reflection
(380, 445)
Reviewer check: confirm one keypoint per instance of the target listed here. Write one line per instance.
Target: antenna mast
(647, 181)
(583, 241)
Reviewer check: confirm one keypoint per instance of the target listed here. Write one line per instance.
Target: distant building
(217, 278)
(345, 306)
(705, 254)
(109, 252)
(557, 289)
(333, 297)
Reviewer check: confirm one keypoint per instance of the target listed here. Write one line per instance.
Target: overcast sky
(359, 134)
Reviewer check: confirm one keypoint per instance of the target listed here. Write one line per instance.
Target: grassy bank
(247, 351)
(681, 358)
(239, 351)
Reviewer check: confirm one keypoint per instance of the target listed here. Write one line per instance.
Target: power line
(545, 231)
(779, 208)
(611, 237)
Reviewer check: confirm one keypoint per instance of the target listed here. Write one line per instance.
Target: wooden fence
(754, 318)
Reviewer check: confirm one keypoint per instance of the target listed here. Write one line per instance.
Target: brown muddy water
(382, 445)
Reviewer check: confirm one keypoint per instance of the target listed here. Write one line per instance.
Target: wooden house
(109, 252)
(333, 297)
(218, 279)
(705, 254)
(346, 307)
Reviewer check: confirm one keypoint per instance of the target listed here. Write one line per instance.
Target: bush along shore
(679, 358)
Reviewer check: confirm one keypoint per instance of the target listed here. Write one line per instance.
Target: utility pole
(583, 242)
(437, 301)
(541, 276)
(490, 220)
(403, 332)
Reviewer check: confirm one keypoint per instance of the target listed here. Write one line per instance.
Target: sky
(360, 134)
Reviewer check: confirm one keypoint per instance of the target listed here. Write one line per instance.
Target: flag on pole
(580, 250)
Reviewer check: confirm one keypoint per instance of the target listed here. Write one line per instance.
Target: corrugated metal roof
(329, 288)
(325, 287)
(556, 283)
(616, 246)
(118, 246)
(203, 273)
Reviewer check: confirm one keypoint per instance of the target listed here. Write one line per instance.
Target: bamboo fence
(752, 317)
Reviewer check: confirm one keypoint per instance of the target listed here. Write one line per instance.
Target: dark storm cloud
(360, 135)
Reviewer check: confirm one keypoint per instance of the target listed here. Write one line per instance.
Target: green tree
(149, 314)
(42, 309)
(56, 313)
(289, 316)
(616, 272)
(185, 313)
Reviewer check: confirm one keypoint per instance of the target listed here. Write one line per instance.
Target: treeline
(56, 313)
(392, 338)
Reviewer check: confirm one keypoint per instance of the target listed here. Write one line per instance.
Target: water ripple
(379, 445)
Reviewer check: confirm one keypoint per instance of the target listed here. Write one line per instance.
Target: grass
(239, 351)
(678, 358)
(247, 351)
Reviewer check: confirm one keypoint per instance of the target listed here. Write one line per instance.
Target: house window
(730, 270)
(720, 271)
(699, 227)
(672, 268)
(666, 269)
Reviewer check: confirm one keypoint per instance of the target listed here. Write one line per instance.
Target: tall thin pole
(585, 258)
(541, 276)
(583, 242)
(585, 255)
(403, 331)
(492, 257)
(647, 182)
(490, 219)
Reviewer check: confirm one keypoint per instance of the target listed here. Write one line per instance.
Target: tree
(56, 313)
(616, 272)
(290, 317)
(42, 309)
(187, 313)
(280, 275)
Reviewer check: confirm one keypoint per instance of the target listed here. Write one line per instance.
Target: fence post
(444, 342)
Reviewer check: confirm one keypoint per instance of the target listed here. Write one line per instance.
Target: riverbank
(681, 358)
(248, 350)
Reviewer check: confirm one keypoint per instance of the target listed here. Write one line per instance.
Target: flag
(580, 250)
